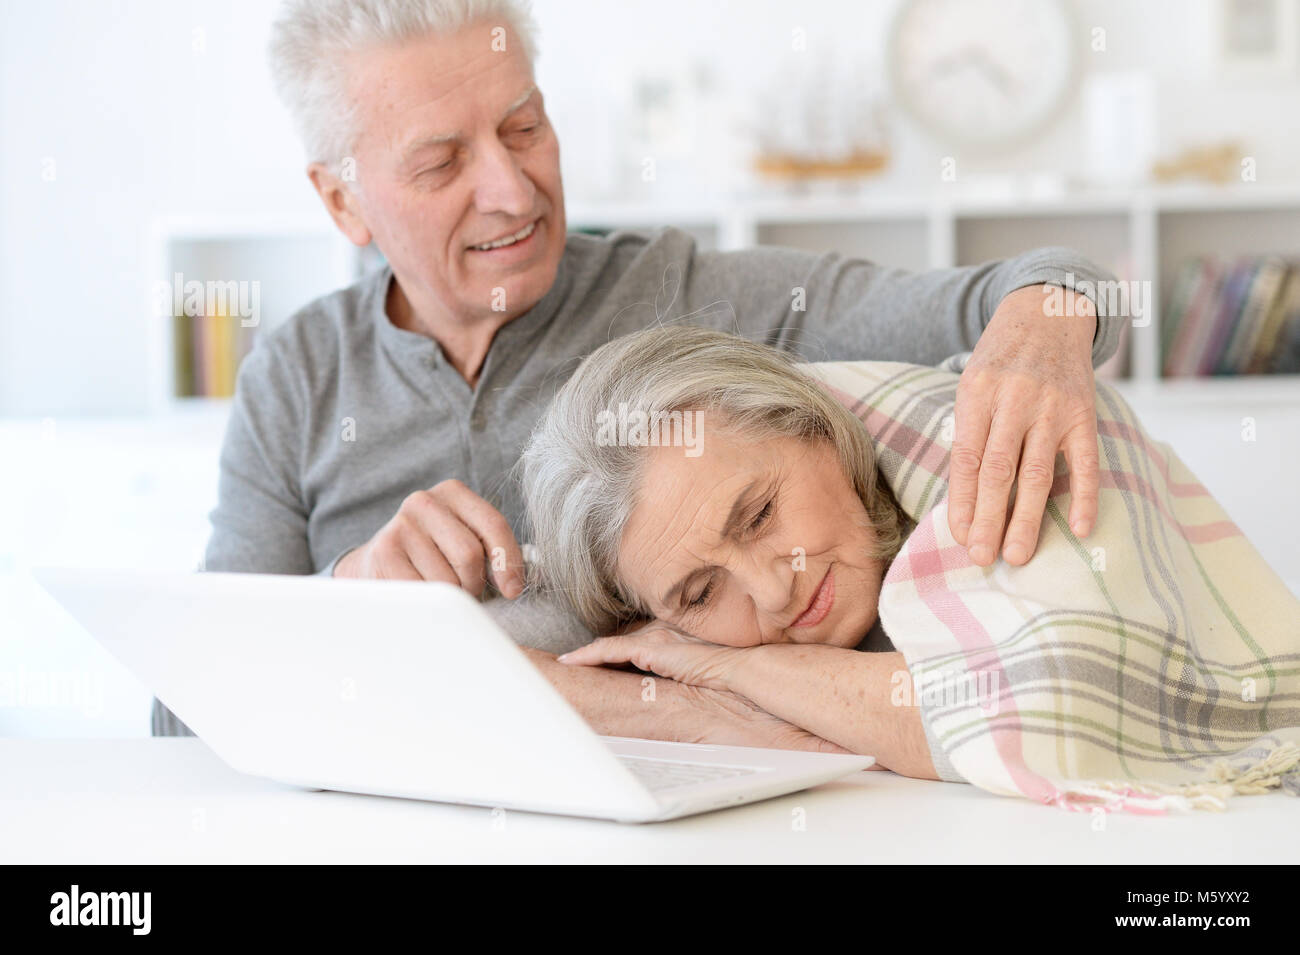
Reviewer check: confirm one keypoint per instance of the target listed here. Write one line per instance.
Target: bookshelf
(231, 278)
(1136, 233)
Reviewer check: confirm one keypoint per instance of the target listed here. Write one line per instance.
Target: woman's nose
(768, 580)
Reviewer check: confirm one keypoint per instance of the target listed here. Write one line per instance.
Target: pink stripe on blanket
(1132, 484)
(941, 560)
(1126, 432)
(926, 565)
(922, 451)
(893, 434)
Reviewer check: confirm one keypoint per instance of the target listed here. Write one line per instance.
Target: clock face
(983, 73)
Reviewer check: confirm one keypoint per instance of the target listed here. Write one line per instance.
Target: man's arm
(828, 307)
(259, 525)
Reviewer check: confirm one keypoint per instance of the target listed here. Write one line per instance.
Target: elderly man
(372, 435)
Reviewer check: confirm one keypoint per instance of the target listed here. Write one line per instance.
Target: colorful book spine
(1285, 359)
(207, 349)
(1273, 327)
(1173, 328)
(1231, 302)
(1263, 292)
(1193, 322)
(182, 355)
(1232, 317)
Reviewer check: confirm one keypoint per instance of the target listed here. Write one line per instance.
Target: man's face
(454, 151)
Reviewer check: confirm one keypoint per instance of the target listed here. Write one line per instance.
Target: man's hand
(1027, 392)
(446, 533)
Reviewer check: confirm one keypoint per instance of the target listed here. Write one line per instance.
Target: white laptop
(397, 689)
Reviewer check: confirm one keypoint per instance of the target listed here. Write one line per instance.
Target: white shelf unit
(1141, 233)
(293, 259)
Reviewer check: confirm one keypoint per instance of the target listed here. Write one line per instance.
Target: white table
(173, 800)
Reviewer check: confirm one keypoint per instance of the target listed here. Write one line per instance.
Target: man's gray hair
(580, 489)
(311, 40)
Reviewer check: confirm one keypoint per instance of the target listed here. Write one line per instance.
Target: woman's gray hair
(580, 488)
(311, 40)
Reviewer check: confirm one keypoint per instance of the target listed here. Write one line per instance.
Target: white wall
(139, 123)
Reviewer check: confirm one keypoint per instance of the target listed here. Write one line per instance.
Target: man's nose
(501, 185)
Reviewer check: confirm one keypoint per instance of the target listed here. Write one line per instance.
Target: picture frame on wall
(1257, 38)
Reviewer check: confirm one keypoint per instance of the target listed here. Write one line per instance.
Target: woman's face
(753, 542)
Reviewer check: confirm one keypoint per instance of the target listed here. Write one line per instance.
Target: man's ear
(340, 203)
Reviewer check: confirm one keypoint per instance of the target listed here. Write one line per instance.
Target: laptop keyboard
(660, 774)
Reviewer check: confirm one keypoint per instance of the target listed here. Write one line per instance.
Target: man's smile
(512, 246)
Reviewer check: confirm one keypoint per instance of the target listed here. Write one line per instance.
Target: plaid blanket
(1154, 664)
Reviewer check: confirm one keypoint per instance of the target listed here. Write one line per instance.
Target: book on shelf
(1273, 341)
(182, 355)
(1260, 297)
(206, 353)
(1233, 316)
(1187, 326)
(1180, 296)
(1227, 313)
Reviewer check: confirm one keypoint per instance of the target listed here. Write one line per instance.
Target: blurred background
(141, 138)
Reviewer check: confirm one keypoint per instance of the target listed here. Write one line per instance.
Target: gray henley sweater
(338, 414)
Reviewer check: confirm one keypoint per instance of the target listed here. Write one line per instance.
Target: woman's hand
(661, 649)
(811, 696)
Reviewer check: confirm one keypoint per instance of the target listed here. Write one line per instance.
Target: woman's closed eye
(703, 597)
(756, 523)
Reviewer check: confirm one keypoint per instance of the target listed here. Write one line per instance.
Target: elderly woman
(705, 484)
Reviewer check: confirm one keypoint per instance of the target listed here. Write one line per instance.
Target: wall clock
(983, 75)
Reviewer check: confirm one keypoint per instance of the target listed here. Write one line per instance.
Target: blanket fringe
(1151, 798)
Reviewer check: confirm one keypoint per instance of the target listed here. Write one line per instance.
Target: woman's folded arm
(853, 699)
(845, 696)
